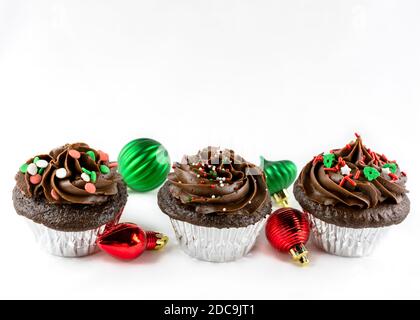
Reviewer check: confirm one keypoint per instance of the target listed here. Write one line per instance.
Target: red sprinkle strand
(353, 183)
(348, 146)
(357, 175)
(315, 161)
(357, 135)
(374, 156)
(349, 180)
(403, 173)
(393, 177)
(333, 169)
(384, 158)
(213, 186)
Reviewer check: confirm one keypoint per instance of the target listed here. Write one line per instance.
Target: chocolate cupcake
(68, 196)
(217, 203)
(351, 195)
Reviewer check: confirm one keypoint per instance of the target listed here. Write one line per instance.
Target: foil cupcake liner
(213, 244)
(342, 241)
(66, 244)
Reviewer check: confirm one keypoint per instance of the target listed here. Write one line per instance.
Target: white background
(283, 79)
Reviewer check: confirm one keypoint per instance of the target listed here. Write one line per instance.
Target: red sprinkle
(374, 156)
(393, 177)
(357, 135)
(348, 146)
(213, 186)
(334, 169)
(317, 159)
(74, 154)
(357, 175)
(103, 156)
(35, 179)
(384, 158)
(349, 180)
(403, 173)
(54, 195)
(353, 183)
(113, 165)
(90, 187)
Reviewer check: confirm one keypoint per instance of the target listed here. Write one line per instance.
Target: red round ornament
(287, 230)
(128, 241)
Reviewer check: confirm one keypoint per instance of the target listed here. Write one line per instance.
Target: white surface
(283, 79)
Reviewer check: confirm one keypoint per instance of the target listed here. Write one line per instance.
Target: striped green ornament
(144, 164)
(280, 175)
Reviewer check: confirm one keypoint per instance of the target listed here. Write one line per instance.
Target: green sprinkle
(35, 160)
(41, 171)
(329, 159)
(91, 154)
(392, 167)
(371, 173)
(23, 168)
(104, 169)
(86, 171)
(93, 176)
(189, 199)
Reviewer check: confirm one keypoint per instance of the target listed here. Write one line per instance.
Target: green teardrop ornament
(144, 164)
(280, 175)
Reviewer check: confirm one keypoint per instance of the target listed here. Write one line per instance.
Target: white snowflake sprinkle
(387, 171)
(345, 171)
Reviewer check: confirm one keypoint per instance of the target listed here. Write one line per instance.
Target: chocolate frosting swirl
(347, 181)
(75, 174)
(218, 181)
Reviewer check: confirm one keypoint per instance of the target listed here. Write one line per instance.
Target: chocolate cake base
(385, 214)
(70, 217)
(179, 211)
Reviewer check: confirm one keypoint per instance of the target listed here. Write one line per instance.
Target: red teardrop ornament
(287, 230)
(128, 241)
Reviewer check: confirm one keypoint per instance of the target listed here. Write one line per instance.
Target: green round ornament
(280, 175)
(144, 164)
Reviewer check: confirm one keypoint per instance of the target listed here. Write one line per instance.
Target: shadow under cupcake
(217, 203)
